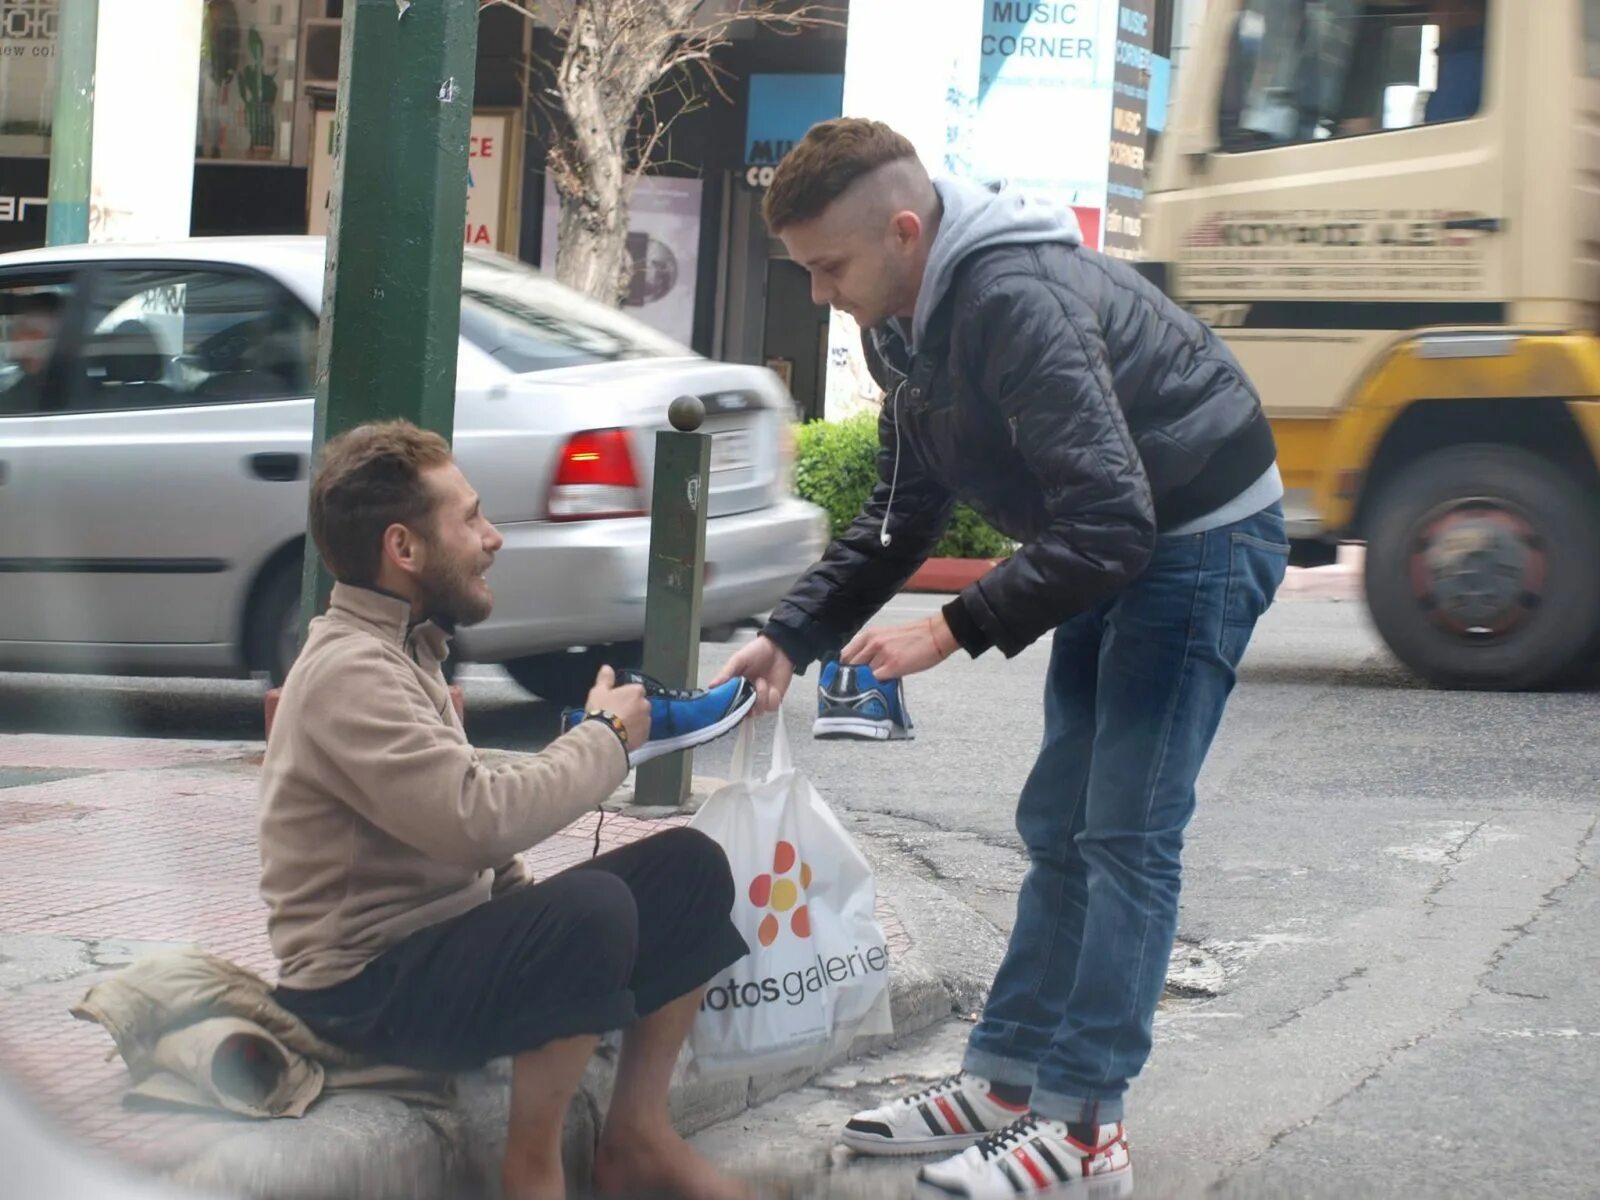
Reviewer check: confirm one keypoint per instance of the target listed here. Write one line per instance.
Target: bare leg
(542, 1085)
(640, 1152)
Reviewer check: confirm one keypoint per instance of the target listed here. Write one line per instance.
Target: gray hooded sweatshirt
(977, 217)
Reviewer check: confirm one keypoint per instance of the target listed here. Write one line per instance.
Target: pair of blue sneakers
(852, 703)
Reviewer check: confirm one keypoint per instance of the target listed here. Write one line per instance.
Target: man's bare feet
(659, 1163)
(533, 1181)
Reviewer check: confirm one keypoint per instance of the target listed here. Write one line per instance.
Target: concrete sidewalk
(112, 847)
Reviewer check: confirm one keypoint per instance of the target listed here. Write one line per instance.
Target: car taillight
(595, 478)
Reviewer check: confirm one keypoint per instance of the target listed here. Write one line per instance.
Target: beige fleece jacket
(378, 818)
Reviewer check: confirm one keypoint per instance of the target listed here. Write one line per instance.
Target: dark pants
(1134, 695)
(584, 952)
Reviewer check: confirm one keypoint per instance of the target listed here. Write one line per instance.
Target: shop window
(27, 75)
(248, 77)
(1311, 70)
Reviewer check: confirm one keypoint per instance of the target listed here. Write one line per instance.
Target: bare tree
(627, 70)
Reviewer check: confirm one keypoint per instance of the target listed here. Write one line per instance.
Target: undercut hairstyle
(826, 163)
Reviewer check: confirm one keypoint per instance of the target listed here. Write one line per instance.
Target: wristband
(611, 721)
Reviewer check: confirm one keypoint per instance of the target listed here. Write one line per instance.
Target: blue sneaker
(854, 703)
(680, 720)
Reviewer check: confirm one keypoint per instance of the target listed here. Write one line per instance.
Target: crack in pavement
(1283, 1134)
(1480, 985)
(1524, 928)
(1517, 995)
(1342, 984)
(1453, 858)
(992, 841)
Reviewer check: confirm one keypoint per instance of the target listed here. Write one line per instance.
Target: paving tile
(157, 844)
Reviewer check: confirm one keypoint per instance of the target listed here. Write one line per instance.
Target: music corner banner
(1049, 96)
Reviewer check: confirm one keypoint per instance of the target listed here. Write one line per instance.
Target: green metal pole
(72, 125)
(676, 582)
(391, 307)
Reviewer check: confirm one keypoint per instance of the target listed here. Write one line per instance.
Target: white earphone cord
(884, 537)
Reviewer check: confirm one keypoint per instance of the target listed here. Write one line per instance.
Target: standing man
(1121, 444)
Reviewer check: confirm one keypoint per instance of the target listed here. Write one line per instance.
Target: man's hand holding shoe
(627, 703)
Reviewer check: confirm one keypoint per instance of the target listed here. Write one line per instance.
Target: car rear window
(531, 323)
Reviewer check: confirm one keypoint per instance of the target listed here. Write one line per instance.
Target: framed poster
(664, 243)
(494, 167)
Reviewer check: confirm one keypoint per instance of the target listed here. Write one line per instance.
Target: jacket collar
(388, 616)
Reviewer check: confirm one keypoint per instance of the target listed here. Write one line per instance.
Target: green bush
(835, 469)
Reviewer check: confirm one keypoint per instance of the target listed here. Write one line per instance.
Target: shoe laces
(1001, 1140)
(948, 1083)
(654, 687)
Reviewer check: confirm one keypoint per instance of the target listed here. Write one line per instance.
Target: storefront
(246, 178)
(268, 81)
(1063, 97)
(768, 315)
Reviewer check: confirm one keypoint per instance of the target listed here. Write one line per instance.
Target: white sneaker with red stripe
(953, 1113)
(1035, 1157)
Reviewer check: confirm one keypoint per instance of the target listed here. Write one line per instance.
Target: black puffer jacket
(1070, 403)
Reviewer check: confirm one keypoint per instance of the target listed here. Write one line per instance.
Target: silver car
(155, 436)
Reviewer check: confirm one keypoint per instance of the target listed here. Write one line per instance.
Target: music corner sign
(493, 174)
(1050, 96)
(781, 109)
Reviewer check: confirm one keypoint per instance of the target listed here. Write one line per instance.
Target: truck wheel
(565, 677)
(1483, 569)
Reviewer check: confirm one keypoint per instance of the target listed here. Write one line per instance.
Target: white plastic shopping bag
(817, 975)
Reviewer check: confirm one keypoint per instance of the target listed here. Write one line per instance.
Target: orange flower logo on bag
(783, 896)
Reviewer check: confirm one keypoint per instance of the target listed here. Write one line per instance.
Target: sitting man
(404, 924)
(31, 325)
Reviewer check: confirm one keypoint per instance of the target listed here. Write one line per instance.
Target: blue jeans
(1134, 695)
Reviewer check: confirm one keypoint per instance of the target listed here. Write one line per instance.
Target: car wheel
(1483, 570)
(272, 639)
(565, 677)
(273, 642)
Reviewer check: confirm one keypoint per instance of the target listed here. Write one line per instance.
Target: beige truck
(1391, 211)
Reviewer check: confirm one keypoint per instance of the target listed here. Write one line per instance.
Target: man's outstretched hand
(627, 704)
(901, 650)
(763, 664)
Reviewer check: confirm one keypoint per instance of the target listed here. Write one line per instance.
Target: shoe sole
(688, 741)
(859, 729)
(1115, 1185)
(882, 1147)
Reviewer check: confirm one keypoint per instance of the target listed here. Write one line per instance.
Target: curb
(371, 1147)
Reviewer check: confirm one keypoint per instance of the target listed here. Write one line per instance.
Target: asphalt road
(1390, 908)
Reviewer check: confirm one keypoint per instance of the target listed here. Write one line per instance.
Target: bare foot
(660, 1163)
(532, 1181)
